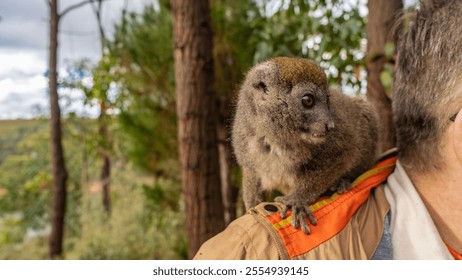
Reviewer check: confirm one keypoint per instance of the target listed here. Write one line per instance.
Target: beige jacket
(254, 237)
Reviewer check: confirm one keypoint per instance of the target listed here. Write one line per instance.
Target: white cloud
(22, 83)
(29, 84)
(24, 62)
(19, 96)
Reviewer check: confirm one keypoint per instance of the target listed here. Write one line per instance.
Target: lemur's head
(290, 97)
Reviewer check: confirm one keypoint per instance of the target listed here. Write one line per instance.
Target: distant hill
(13, 131)
(11, 126)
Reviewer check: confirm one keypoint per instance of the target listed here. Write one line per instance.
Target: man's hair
(427, 87)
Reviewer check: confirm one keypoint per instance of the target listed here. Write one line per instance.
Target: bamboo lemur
(293, 133)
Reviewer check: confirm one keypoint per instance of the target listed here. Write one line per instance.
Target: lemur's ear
(261, 86)
(261, 75)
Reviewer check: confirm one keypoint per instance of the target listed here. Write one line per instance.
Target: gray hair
(427, 87)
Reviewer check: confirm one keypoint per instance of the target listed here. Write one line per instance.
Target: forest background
(129, 190)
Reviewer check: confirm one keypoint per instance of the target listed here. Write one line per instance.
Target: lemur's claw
(300, 212)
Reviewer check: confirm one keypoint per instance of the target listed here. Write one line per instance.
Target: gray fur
(427, 83)
(303, 152)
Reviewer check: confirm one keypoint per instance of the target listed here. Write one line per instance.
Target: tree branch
(73, 7)
(98, 11)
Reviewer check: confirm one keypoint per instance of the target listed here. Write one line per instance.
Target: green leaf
(389, 50)
(386, 78)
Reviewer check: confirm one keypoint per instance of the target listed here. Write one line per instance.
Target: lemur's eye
(308, 101)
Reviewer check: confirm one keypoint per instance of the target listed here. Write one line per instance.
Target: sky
(24, 49)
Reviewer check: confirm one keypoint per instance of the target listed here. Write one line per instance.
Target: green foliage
(149, 137)
(96, 82)
(147, 220)
(33, 248)
(233, 54)
(330, 32)
(12, 131)
(24, 178)
(143, 66)
(139, 227)
(386, 76)
(25, 183)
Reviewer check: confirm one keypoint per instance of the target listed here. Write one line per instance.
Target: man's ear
(457, 134)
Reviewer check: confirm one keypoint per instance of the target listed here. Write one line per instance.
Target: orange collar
(334, 213)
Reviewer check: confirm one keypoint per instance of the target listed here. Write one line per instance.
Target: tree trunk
(105, 179)
(228, 74)
(102, 122)
(230, 191)
(106, 168)
(225, 82)
(58, 166)
(381, 19)
(196, 112)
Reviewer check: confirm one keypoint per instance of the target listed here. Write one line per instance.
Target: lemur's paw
(343, 186)
(300, 212)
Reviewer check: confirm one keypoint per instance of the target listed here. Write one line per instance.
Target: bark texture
(58, 166)
(380, 22)
(106, 167)
(196, 112)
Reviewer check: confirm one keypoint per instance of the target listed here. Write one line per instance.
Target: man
(417, 212)
(428, 91)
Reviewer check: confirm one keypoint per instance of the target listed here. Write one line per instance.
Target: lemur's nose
(330, 125)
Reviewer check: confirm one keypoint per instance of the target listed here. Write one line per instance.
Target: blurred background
(115, 78)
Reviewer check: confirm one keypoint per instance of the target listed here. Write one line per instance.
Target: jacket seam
(273, 234)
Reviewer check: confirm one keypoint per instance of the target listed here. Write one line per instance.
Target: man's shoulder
(247, 237)
(262, 234)
(350, 225)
